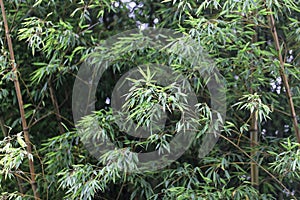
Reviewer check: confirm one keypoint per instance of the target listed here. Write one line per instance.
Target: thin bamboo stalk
(254, 141)
(20, 102)
(3, 128)
(56, 107)
(283, 76)
(254, 130)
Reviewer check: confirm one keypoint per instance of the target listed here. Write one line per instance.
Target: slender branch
(31, 124)
(47, 115)
(120, 192)
(283, 76)
(20, 102)
(282, 112)
(252, 160)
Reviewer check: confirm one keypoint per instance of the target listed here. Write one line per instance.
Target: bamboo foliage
(257, 154)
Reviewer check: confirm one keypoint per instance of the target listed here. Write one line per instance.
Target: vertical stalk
(20, 182)
(56, 107)
(3, 128)
(254, 141)
(20, 102)
(283, 75)
(254, 174)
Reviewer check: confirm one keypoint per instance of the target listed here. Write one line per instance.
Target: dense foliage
(51, 39)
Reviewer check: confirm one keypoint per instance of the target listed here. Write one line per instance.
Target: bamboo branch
(20, 102)
(259, 165)
(283, 76)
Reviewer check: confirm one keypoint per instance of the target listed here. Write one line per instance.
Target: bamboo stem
(20, 182)
(3, 128)
(283, 76)
(20, 102)
(56, 107)
(254, 131)
(254, 141)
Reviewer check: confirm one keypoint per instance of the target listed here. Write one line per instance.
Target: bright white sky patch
(107, 101)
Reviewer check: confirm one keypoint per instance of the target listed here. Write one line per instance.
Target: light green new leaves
(253, 103)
